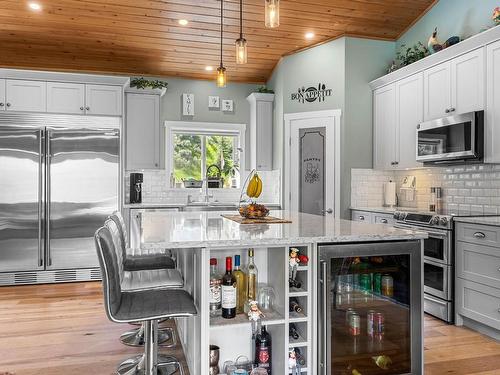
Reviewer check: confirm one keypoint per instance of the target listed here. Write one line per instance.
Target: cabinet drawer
(383, 219)
(478, 263)
(478, 234)
(362, 216)
(478, 302)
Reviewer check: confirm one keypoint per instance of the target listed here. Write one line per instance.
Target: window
(199, 151)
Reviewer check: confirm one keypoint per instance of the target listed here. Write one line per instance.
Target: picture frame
(227, 105)
(188, 104)
(213, 102)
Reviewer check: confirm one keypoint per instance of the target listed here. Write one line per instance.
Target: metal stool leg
(166, 337)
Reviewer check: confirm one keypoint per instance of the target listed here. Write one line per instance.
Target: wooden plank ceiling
(143, 37)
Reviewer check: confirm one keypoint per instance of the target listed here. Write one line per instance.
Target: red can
(355, 324)
(370, 317)
(378, 325)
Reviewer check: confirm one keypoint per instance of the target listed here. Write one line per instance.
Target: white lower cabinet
(492, 129)
(65, 97)
(25, 96)
(362, 216)
(103, 100)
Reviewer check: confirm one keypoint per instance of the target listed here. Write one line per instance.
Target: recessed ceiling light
(183, 22)
(309, 35)
(209, 68)
(34, 6)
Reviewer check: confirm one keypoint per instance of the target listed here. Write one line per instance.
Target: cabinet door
(103, 100)
(143, 131)
(437, 91)
(26, 96)
(409, 113)
(65, 97)
(362, 216)
(384, 108)
(492, 126)
(468, 82)
(264, 146)
(2, 94)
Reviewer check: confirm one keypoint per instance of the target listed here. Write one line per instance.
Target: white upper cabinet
(25, 96)
(468, 82)
(437, 91)
(2, 94)
(142, 131)
(261, 131)
(492, 125)
(384, 112)
(65, 97)
(103, 100)
(409, 113)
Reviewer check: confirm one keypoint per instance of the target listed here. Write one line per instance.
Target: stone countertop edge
(140, 206)
(481, 220)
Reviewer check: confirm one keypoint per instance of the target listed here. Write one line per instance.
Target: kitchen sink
(211, 206)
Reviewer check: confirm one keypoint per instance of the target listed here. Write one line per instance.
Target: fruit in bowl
(254, 211)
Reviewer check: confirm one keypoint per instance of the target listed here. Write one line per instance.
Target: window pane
(221, 151)
(187, 157)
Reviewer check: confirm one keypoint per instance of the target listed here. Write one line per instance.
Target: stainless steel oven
(458, 137)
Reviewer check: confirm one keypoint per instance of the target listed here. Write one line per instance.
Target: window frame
(203, 129)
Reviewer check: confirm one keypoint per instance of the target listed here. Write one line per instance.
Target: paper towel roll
(390, 193)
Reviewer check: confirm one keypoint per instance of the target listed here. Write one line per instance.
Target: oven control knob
(434, 220)
(444, 221)
(396, 215)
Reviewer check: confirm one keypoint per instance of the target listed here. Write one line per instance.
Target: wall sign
(188, 104)
(311, 94)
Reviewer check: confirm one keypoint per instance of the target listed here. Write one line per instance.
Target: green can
(377, 283)
(365, 282)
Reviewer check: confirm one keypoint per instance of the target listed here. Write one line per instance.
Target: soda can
(378, 325)
(387, 286)
(348, 283)
(377, 283)
(370, 317)
(348, 314)
(355, 324)
(365, 283)
(338, 284)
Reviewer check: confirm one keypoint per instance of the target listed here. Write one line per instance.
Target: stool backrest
(111, 263)
(122, 229)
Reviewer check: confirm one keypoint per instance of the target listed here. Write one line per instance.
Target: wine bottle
(215, 287)
(292, 331)
(241, 286)
(294, 306)
(263, 350)
(253, 277)
(228, 291)
(300, 358)
(294, 283)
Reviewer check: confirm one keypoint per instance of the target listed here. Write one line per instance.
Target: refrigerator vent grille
(44, 277)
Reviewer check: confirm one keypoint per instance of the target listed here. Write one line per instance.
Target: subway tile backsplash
(156, 189)
(470, 189)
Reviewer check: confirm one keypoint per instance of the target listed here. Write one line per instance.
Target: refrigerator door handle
(40, 199)
(48, 155)
(322, 318)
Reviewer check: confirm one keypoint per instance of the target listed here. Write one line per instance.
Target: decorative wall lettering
(311, 94)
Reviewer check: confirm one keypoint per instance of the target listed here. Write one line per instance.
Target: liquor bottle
(294, 306)
(215, 287)
(228, 291)
(253, 277)
(263, 350)
(292, 331)
(241, 286)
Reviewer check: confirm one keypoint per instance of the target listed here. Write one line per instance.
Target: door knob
(8, 104)
(1, 104)
(328, 211)
(81, 108)
(87, 108)
(447, 111)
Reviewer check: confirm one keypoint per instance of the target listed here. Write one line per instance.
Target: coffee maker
(136, 180)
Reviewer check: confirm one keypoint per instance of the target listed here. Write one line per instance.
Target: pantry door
(311, 158)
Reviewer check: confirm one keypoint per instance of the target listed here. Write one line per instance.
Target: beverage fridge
(370, 309)
(59, 179)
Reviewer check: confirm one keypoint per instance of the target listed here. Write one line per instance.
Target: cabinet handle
(447, 110)
(361, 218)
(87, 108)
(81, 108)
(452, 109)
(1, 104)
(8, 104)
(383, 221)
(156, 164)
(479, 235)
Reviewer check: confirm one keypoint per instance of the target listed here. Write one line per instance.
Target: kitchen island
(343, 256)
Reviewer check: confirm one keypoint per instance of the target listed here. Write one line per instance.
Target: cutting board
(264, 220)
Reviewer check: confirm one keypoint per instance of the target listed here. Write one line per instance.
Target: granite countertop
(385, 210)
(210, 229)
(484, 220)
(181, 205)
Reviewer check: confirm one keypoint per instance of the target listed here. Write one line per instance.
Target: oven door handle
(443, 234)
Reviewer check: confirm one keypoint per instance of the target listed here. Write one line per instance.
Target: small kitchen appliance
(136, 180)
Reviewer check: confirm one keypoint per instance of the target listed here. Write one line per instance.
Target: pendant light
(241, 43)
(272, 13)
(221, 71)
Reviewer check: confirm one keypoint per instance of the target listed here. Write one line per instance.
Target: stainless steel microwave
(451, 139)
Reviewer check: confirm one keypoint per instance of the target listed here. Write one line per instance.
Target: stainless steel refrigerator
(59, 179)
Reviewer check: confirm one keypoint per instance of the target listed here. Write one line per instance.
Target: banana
(252, 187)
(259, 187)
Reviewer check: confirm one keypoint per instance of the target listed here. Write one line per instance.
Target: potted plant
(143, 84)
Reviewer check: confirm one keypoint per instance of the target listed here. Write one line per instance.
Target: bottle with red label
(263, 354)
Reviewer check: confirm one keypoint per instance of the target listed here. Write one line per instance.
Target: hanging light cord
(221, 29)
(241, 19)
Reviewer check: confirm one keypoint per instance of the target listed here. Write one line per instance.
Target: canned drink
(348, 283)
(355, 324)
(387, 286)
(365, 283)
(338, 284)
(377, 283)
(378, 325)
(348, 314)
(370, 315)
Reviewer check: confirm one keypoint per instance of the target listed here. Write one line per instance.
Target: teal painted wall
(463, 18)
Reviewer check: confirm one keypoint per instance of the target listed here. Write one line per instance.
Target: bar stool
(141, 262)
(145, 303)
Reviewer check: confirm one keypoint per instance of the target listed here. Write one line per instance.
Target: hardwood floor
(62, 329)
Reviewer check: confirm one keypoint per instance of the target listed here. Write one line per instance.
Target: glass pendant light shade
(221, 76)
(241, 51)
(272, 13)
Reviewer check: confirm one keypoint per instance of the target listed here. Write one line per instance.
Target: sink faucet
(206, 195)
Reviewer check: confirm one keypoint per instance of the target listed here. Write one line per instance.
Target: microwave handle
(323, 312)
